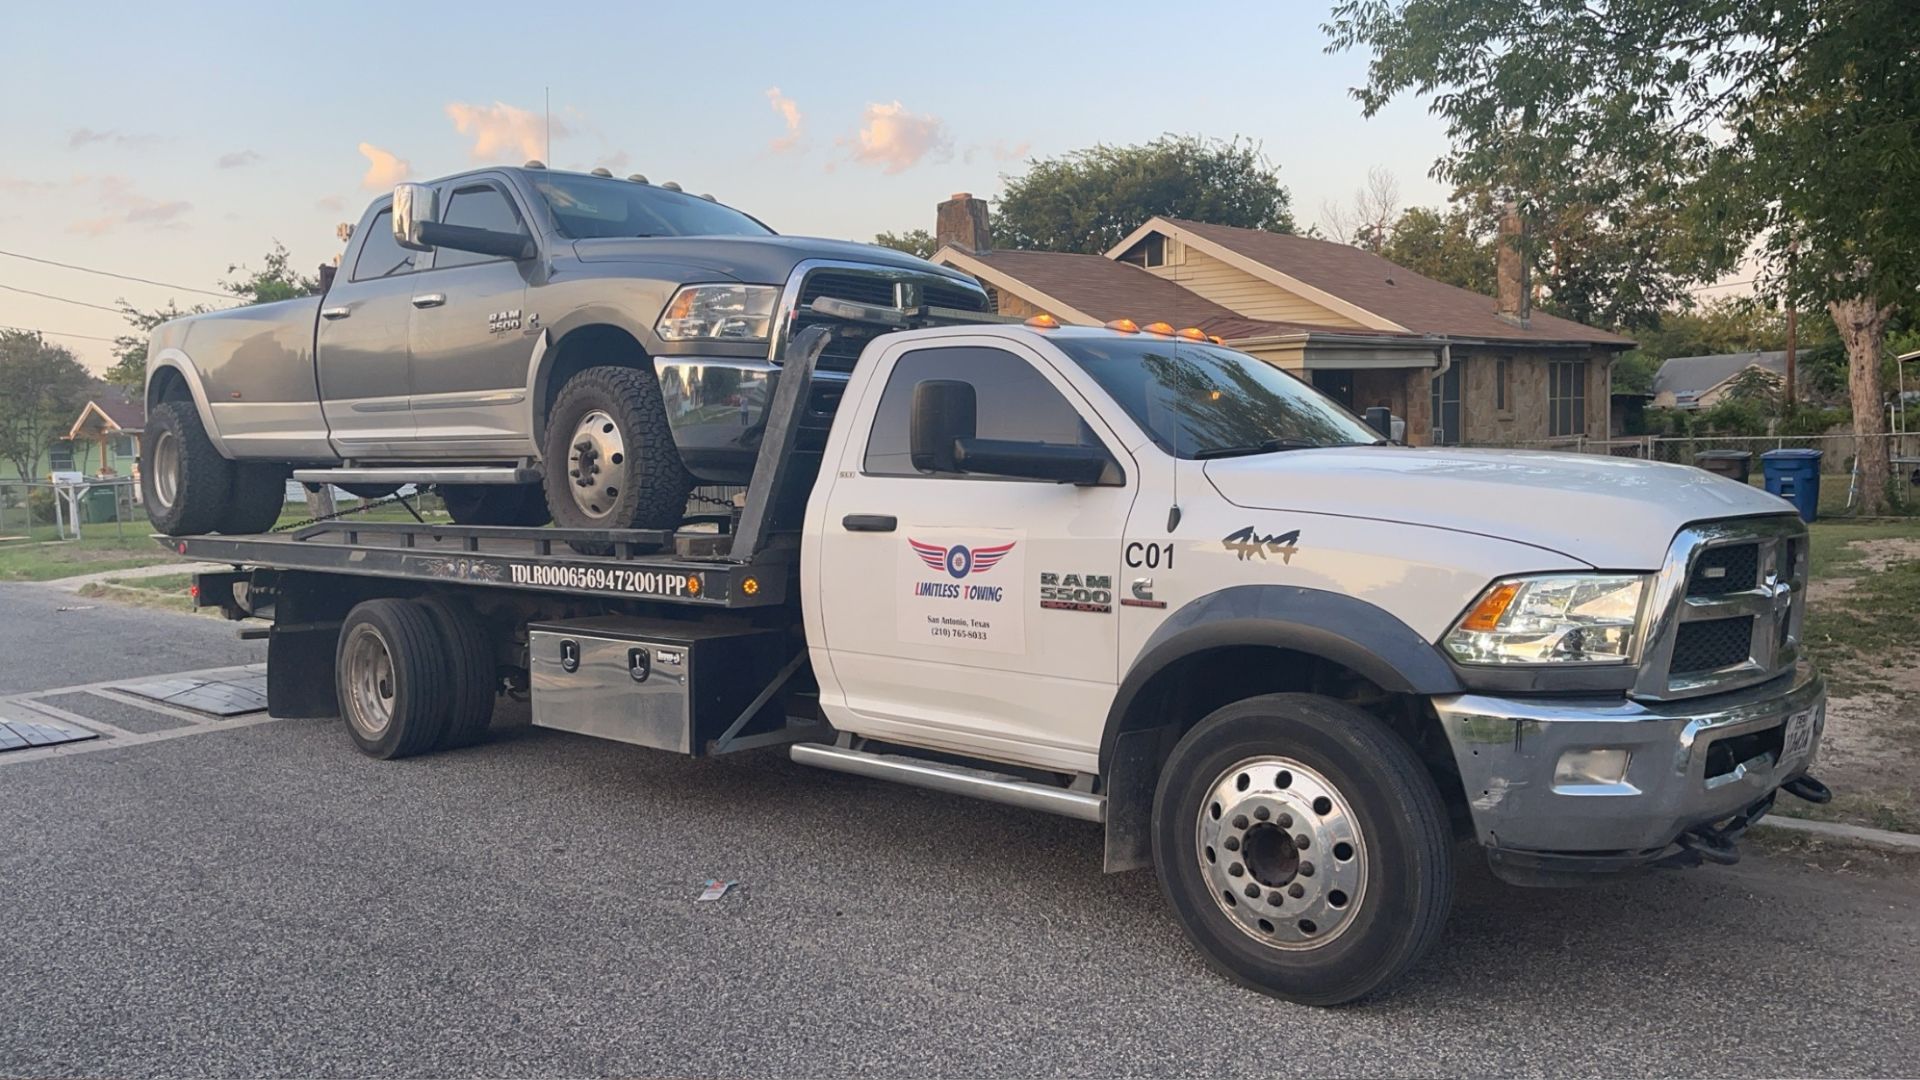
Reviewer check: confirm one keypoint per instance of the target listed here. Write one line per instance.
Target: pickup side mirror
(944, 412)
(941, 439)
(1380, 419)
(416, 227)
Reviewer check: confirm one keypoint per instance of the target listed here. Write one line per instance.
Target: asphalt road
(261, 900)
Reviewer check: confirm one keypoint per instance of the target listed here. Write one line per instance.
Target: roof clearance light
(1163, 329)
(1216, 339)
(1193, 333)
(1125, 326)
(1044, 322)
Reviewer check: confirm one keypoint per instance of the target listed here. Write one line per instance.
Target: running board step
(426, 474)
(953, 779)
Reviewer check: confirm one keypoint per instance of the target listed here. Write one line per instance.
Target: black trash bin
(1732, 464)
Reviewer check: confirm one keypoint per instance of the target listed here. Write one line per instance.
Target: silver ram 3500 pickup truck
(505, 330)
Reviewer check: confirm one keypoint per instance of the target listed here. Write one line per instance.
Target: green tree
(1714, 122)
(275, 280)
(1089, 200)
(914, 242)
(42, 389)
(1449, 246)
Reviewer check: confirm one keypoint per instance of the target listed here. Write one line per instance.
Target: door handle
(432, 299)
(340, 312)
(870, 522)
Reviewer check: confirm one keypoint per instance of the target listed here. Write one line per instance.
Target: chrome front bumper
(1508, 750)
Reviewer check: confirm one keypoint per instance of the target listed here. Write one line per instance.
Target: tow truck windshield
(1202, 401)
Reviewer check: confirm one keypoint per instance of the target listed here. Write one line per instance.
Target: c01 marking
(1151, 556)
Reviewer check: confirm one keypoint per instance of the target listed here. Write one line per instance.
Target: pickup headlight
(1554, 619)
(720, 313)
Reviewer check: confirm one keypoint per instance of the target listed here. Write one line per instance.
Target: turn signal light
(1193, 333)
(1163, 329)
(1044, 322)
(1485, 615)
(1125, 326)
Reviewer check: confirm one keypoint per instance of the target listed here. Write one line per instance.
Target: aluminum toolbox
(662, 683)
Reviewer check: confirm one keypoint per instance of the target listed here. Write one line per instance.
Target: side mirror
(1084, 465)
(944, 412)
(415, 206)
(1380, 419)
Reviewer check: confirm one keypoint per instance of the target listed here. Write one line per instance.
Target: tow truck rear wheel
(392, 672)
(1304, 847)
(472, 677)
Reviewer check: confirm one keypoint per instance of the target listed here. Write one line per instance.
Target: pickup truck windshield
(1199, 401)
(589, 208)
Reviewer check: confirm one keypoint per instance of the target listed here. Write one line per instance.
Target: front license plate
(1798, 740)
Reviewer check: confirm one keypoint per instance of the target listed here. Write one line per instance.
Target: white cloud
(332, 204)
(897, 140)
(998, 150)
(383, 169)
(789, 111)
(80, 137)
(236, 160)
(126, 206)
(503, 131)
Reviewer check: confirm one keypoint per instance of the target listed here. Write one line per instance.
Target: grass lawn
(165, 591)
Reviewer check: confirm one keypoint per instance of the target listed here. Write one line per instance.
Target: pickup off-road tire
(496, 504)
(392, 675)
(610, 458)
(259, 495)
(1304, 848)
(183, 479)
(471, 673)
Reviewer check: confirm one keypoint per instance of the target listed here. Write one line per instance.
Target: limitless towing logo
(958, 562)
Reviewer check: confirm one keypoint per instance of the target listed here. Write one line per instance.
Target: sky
(169, 141)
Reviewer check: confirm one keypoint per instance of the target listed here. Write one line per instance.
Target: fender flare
(546, 347)
(1334, 626)
(180, 362)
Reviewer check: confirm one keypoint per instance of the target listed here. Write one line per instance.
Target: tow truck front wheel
(1304, 847)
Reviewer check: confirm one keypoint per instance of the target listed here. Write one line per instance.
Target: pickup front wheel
(1304, 847)
(610, 458)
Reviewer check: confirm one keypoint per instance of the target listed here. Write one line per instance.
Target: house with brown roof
(1459, 367)
(112, 420)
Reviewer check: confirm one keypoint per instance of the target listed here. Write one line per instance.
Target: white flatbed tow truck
(1134, 578)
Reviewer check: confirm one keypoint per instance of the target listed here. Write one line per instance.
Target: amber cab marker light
(1163, 329)
(750, 586)
(1216, 339)
(1193, 333)
(1044, 322)
(1486, 614)
(693, 586)
(1125, 326)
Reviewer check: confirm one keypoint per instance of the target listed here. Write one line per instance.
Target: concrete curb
(1883, 839)
(77, 582)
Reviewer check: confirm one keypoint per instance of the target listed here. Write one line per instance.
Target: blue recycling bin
(1794, 475)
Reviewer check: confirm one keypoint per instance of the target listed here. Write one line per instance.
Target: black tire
(259, 496)
(1272, 927)
(183, 479)
(410, 690)
(495, 504)
(472, 675)
(647, 487)
(369, 491)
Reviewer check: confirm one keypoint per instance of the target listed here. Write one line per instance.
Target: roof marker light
(1163, 329)
(1044, 321)
(1216, 339)
(638, 178)
(1125, 326)
(1193, 333)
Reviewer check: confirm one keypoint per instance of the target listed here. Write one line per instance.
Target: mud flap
(300, 660)
(1132, 775)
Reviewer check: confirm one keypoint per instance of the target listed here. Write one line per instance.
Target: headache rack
(742, 559)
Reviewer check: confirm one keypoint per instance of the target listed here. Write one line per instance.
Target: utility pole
(549, 126)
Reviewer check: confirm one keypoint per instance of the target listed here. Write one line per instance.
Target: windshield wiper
(1265, 446)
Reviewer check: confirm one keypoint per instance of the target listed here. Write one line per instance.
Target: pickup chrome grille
(1728, 607)
(880, 286)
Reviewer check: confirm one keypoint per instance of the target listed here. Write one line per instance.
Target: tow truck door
(971, 612)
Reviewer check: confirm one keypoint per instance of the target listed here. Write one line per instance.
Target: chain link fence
(40, 511)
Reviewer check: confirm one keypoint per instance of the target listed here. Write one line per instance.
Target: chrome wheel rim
(166, 468)
(596, 460)
(370, 689)
(1281, 852)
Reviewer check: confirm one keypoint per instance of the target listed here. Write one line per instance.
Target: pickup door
(361, 345)
(967, 612)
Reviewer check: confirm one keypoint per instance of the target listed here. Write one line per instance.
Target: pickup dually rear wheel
(392, 676)
(184, 480)
(1304, 847)
(610, 457)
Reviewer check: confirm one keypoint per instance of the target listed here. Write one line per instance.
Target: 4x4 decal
(1248, 542)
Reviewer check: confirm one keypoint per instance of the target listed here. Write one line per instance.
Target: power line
(63, 299)
(111, 274)
(56, 333)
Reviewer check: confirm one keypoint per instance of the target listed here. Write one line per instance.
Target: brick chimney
(1511, 269)
(962, 222)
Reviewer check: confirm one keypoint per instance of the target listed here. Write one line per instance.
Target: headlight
(1557, 619)
(720, 313)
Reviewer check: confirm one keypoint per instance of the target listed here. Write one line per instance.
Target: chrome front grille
(880, 286)
(1729, 605)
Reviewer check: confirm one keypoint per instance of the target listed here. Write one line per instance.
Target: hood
(1612, 513)
(757, 259)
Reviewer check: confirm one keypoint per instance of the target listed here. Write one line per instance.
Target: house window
(1502, 376)
(60, 457)
(1149, 252)
(123, 446)
(1566, 398)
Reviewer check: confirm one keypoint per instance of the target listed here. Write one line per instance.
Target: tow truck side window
(1013, 401)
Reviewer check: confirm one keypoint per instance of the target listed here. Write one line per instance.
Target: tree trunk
(1863, 330)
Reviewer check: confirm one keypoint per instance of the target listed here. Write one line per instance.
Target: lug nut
(1231, 843)
(1296, 891)
(1300, 841)
(1285, 821)
(1306, 869)
(1239, 821)
(1262, 813)
(1236, 870)
(1253, 890)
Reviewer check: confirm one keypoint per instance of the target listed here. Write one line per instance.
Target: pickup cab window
(477, 206)
(1200, 401)
(1012, 401)
(380, 254)
(591, 207)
